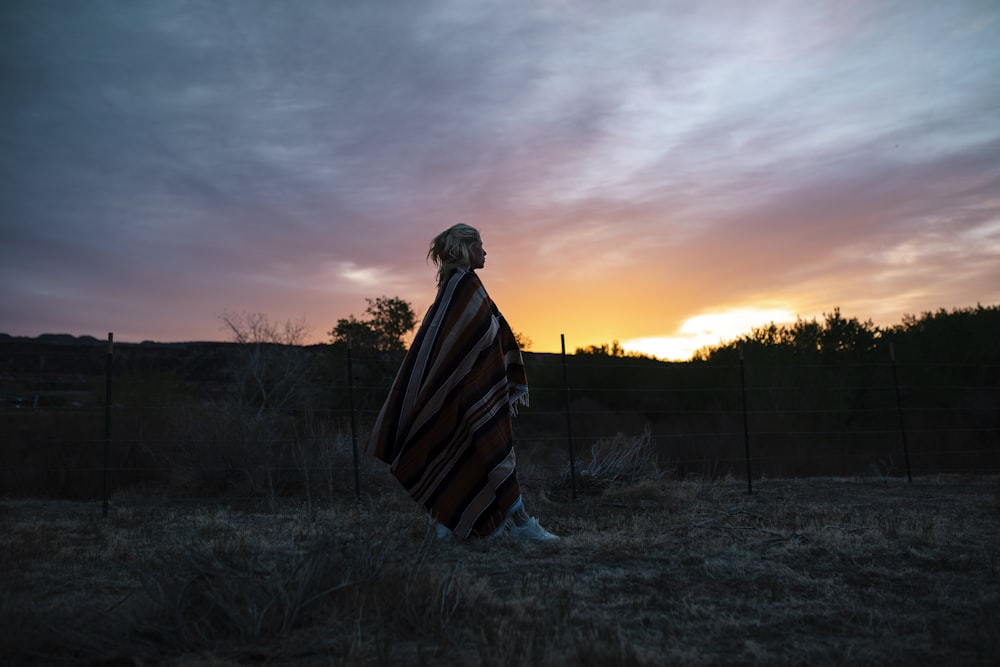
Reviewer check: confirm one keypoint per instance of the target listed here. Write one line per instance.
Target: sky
(663, 174)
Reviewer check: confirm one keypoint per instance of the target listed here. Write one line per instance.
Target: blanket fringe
(518, 397)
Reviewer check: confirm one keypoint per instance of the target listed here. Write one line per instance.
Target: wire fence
(750, 419)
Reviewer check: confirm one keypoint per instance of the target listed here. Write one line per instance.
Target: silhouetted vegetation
(963, 335)
(389, 321)
(266, 417)
(612, 349)
(821, 397)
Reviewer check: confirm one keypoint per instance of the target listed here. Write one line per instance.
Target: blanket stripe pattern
(445, 427)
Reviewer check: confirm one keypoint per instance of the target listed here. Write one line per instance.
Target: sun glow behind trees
(707, 329)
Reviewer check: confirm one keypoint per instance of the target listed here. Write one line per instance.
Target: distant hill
(52, 339)
(55, 362)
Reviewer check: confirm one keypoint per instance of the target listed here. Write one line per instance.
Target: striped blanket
(445, 428)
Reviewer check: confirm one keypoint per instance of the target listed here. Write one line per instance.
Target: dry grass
(655, 571)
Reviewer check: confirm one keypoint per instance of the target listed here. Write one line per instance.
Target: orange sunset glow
(666, 175)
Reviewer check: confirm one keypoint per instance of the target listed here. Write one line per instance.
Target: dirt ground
(686, 572)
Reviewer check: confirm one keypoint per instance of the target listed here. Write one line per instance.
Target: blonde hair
(452, 249)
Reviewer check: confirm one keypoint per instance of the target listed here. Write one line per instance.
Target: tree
(270, 369)
(613, 350)
(848, 335)
(389, 320)
(256, 328)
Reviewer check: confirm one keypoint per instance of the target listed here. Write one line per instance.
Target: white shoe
(530, 532)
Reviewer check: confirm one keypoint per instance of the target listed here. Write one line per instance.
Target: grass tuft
(621, 461)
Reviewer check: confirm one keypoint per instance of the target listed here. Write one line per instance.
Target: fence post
(107, 425)
(354, 426)
(899, 410)
(569, 430)
(746, 423)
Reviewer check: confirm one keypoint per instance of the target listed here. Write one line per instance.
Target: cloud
(189, 158)
(370, 279)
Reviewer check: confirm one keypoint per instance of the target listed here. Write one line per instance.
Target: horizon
(569, 350)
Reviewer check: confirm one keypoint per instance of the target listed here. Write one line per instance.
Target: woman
(445, 428)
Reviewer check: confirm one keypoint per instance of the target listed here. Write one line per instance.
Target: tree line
(961, 335)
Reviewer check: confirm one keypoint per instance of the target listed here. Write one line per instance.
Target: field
(816, 571)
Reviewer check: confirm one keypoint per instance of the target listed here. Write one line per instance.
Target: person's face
(478, 255)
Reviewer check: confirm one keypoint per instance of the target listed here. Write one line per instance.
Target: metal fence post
(746, 423)
(107, 425)
(569, 430)
(354, 425)
(899, 410)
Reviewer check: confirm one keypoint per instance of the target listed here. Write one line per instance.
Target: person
(446, 427)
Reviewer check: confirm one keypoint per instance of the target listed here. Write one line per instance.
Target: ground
(663, 571)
